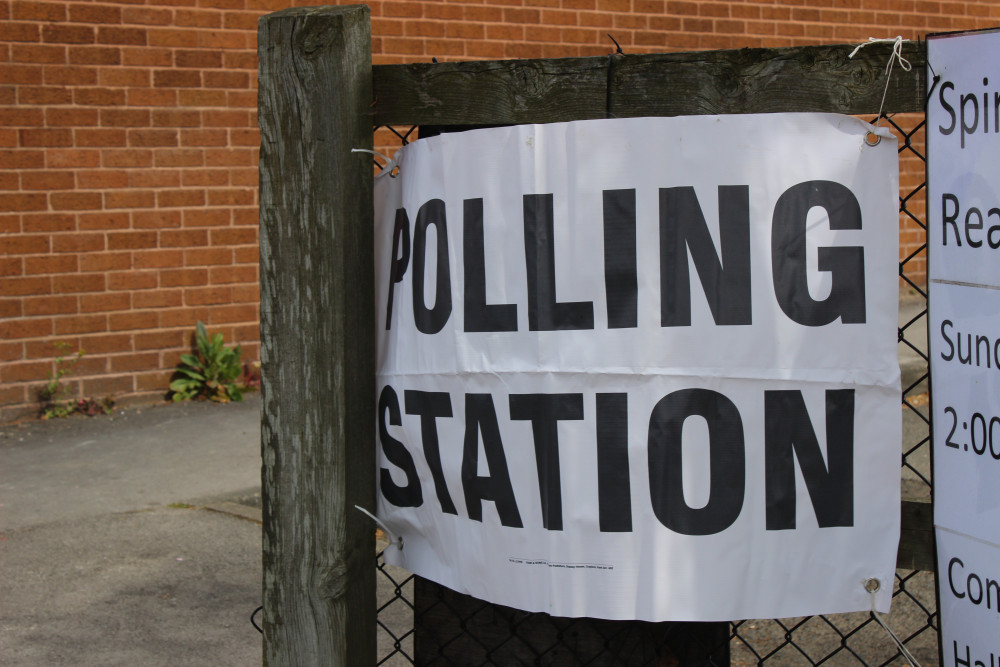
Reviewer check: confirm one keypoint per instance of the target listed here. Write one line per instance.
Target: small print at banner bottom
(643, 368)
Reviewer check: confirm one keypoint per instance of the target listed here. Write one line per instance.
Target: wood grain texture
(317, 337)
(812, 78)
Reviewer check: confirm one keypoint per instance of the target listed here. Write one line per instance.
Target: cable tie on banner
(871, 138)
(399, 538)
(873, 585)
(390, 164)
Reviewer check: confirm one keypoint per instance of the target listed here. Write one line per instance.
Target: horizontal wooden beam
(503, 92)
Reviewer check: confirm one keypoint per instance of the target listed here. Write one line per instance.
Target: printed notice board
(963, 136)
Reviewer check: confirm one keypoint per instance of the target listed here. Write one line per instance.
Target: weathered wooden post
(317, 336)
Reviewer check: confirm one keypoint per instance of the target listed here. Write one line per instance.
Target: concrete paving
(134, 539)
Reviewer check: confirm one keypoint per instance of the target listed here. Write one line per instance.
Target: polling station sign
(643, 368)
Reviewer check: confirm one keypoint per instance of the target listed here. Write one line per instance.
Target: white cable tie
(897, 54)
(390, 164)
(399, 538)
(897, 51)
(872, 586)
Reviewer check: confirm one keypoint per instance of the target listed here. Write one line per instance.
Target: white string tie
(873, 586)
(897, 51)
(390, 166)
(897, 54)
(399, 539)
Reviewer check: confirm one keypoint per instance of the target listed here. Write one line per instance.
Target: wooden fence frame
(319, 97)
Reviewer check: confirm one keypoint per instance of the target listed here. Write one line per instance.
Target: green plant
(210, 373)
(54, 395)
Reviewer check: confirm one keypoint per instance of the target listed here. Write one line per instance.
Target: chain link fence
(457, 629)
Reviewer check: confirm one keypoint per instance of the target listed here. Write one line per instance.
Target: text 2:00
(980, 433)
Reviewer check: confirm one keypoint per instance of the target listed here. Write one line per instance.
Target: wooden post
(317, 336)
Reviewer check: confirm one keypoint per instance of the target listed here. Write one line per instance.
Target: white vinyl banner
(643, 368)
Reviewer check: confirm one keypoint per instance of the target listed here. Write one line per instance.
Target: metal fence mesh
(455, 629)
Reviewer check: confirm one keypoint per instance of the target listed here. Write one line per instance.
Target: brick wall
(128, 150)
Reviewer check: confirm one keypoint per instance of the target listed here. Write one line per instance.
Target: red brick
(99, 96)
(81, 324)
(30, 138)
(122, 36)
(152, 138)
(50, 305)
(205, 176)
(49, 222)
(101, 178)
(22, 159)
(148, 56)
(207, 217)
(47, 180)
(197, 18)
(70, 117)
(76, 283)
(232, 274)
(38, 53)
(103, 220)
(234, 157)
(172, 38)
(134, 362)
(100, 137)
(147, 16)
(204, 138)
(180, 197)
(106, 261)
(29, 371)
(208, 256)
(231, 197)
(227, 119)
(208, 296)
(131, 240)
(132, 280)
(197, 58)
(44, 95)
(103, 14)
(241, 98)
(25, 286)
(156, 299)
(21, 117)
(120, 77)
(160, 178)
(106, 386)
(189, 97)
(224, 39)
(25, 244)
(132, 321)
(21, 74)
(22, 202)
(158, 259)
(73, 157)
(67, 34)
(105, 302)
(129, 199)
(48, 264)
(169, 78)
(128, 157)
(226, 79)
(125, 117)
(247, 177)
(184, 238)
(183, 277)
(152, 97)
(29, 10)
(19, 32)
(11, 266)
(185, 157)
(78, 242)
(95, 55)
(176, 118)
